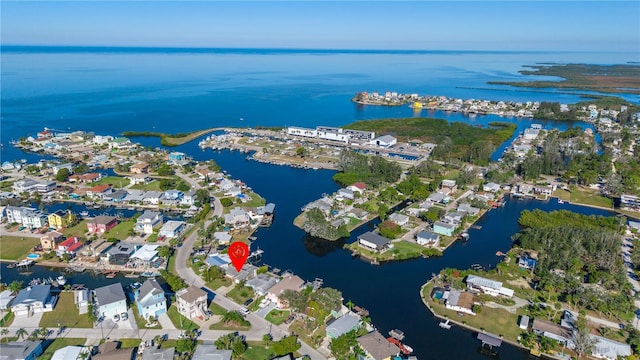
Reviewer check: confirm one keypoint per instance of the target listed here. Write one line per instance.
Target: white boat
(61, 280)
(445, 325)
(84, 214)
(560, 201)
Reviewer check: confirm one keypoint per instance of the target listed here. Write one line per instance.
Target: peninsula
(172, 139)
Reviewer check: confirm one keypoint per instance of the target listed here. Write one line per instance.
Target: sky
(419, 25)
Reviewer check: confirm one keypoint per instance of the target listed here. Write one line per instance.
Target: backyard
(152, 186)
(116, 181)
(15, 248)
(583, 196)
(65, 314)
(121, 231)
(78, 229)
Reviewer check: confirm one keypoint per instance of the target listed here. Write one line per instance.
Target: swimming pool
(33, 256)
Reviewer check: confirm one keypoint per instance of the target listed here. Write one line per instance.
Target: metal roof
(480, 281)
(374, 238)
(489, 339)
(109, 294)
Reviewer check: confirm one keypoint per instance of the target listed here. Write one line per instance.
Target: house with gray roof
(110, 301)
(72, 353)
(261, 283)
(427, 238)
(210, 352)
(487, 286)
(399, 219)
(374, 241)
(609, 349)
(342, 325)
(150, 299)
(154, 353)
(468, 209)
(376, 347)
(34, 299)
(149, 220)
(21, 350)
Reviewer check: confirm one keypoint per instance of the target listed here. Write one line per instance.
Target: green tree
(16, 285)
(21, 333)
(164, 251)
(297, 300)
(301, 151)
(286, 345)
(62, 175)
(266, 339)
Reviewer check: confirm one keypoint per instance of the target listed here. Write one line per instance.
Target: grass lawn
(222, 326)
(116, 181)
(240, 294)
(7, 320)
(121, 231)
(140, 321)
(58, 344)
(152, 186)
(175, 319)
(217, 283)
(217, 309)
(256, 351)
(277, 317)
(66, 314)
(402, 250)
(312, 338)
(583, 196)
(77, 230)
(129, 343)
(15, 248)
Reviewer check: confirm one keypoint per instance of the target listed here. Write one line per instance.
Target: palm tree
(21, 333)
(350, 305)
(4, 331)
(43, 332)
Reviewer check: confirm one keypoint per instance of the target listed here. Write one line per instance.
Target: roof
(428, 235)
(109, 294)
(395, 217)
(549, 327)
(18, 349)
(110, 351)
(218, 260)
(68, 353)
(33, 293)
(609, 348)
(461, 299)
(444, 225)
(210, 352)
(100, 188)
(489, 339)
(148, 214)
(342, 325)
(222, 236)
(152, 353)
(480, 281)
(262, 282)
(191, 294)
(360, 185)
(374, 238)
(172, 225)
(386, 138)
(103, 219)
(150, 286)
(146, 253)
(376, 345)
(288, 283)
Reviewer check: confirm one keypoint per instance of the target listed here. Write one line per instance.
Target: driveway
(165, 322)
(27, 322)
(265, 310)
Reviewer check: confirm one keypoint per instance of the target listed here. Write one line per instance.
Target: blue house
(150, 299)
(177, 156)
(443, 228)
(525, 262)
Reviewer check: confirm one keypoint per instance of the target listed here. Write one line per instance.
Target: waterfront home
(21, 350)
(544, 190)
(291, 282)
(233, 191)
(491, 187)
(50, 240)
(460, 301)
(81, 299)
(28, 217)
(357, 213)
(56, 168)
(150, 299)
(384, 141)
(468, 209)
(222, 237)
(121, 143)
(454, 218)
(32, 186)
(346, 194)
(172, 229)
(226, 184)
(220, 260)
(188, 198)
(192, 302)
(204, 173)
(246, 272)
(115, 196)
(553, 331)
(120, 253)
(487, 286)
(99, 191)
(399, 219)
(145, 256)
(34, 299)
(110, 301)
(171, 197)
(374, 241)
(155, 353)
(630, 201)
(358, 187)
(72, 353)
(267, 212)
(71, 246)
(237, 218)
(261, 284)
(525, 189)
(342, 325)
(530, 134)
(61, 219)
(139, 168)
(134, 196)
(152, 197)
(148, 221)
(443, 228)
(439, 198)
(376, 347)
(523, 323)
(136, 179)
(604, 348)
(210, 352)
(85, 178)
(527, 263)
(448, 187)
(176, 156)
(427, 238)
(6, 297)
(323, 205)
(101, 224)
(110, 351)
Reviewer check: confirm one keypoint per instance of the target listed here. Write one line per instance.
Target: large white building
(29, 217)
(488, 286)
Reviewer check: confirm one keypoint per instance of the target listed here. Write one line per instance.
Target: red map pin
(238, 253)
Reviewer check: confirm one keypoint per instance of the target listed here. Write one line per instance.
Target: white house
(148, 221)
(491, 187)
(72, 353)
(427, 238)
(172, 229)
(384, 141)
(110, 301)
(192, 302)
(399, 219)
(459, 301)
(488, 286)
(150, 299)
(33, 299)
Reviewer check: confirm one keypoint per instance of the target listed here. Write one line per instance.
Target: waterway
(389, 291)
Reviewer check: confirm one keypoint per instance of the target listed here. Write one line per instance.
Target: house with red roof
(90, 177)
(359, 187)
(69, 246)
(45, 134)
(99, 191)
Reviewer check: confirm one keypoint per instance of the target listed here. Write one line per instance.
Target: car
(290, 319)
(249, 301)
(116, 317)
(244, 311)
(124, 316)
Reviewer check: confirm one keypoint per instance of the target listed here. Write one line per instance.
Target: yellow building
(61, 219)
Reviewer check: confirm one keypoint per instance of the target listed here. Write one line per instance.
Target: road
(259, 326)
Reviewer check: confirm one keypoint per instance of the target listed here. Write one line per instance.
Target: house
(454, 218)
(192, 302)
(50, 240)
(6, 297)
(171, 197)
(210, 352)
(85, 178)
(524, 322)
(376, 347)
(120, 253)
(139, 168)
(358, 213)
(148, 221)
(384, 141)
(448, 187)
(358, 187)
(34, 299)
(544, 190)
(176, 156)
(525, 262)
(374, 241)
(261, 283)
(222, 237)
(400, 219)
(120, 143)
(150, 299)
(246, 272)
(56, 168)
(172, 229)
(220, 260)
(323, 205)
(72, 353)
(342, 325)
(101, 224)
(155, 353)
(32, 186)
(139, 179)
(491, 187)
(609, 349)
(99, 191)
(111, 351)
(152, 197)
(61, 219)
(525, 188)
(21, 350)
(554, 331)
(233, 191)
(630, 201)
(70, 246)
(28, 217)
(437, 197)
(468, 209)
(443, 228)
(459, 301)
(346, 193)
(189, 198)
(145, 255)
(428, 238)
(487, 286)
(81, 299)
(110, 301)
(292, 282)
(236, 218)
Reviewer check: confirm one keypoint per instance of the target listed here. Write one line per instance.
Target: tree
(584, 342)
(186, 345)
(16, 285)
(301, 151)
(213, 273)
(21, 333)
(266, 339)
(328, 298)
(62, 175)
(164, 251)
(286, 345)
(174, 281)
(350, 305)
(202, 196)
(297, 300)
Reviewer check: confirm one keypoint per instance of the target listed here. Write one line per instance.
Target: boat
(25, 263)
(445, 325)
(148, 274)
(84, 214)
(560, 201)
(132, 275)
(111, 275)
(397, 334)
(405, 349)
(61, 280)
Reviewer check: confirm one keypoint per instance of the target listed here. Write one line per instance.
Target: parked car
(290, 319)
(116, 317)
(124, 316)
(244, 311)
(249, 301)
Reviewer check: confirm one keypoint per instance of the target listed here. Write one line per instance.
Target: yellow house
(60, 219)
